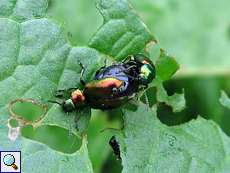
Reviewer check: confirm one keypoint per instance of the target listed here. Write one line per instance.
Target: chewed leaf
(36, 60)
(225, 100)
(27, 111)
(56, 137)
(123, 33)
(150, 146)
(166, 66)
(176, 101)
(42, 158)
(193, 43)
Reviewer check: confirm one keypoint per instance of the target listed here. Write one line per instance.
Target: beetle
(112, 86)
(144, 68)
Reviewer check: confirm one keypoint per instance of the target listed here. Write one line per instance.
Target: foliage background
(196, 33)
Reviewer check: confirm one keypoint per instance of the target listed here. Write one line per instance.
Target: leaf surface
(150, 146)
(224, 100)
(36, 60)
(122, 33)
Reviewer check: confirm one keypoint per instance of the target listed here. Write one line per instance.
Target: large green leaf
(166, 66)
(176, 101)
(37, 157)
(122, 33)
(80, 18)
(150, 146)
(199, 44)
(36, 59)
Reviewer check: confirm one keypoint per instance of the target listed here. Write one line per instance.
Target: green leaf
(166, 66)
(36, 60)
(192, 43)
(150, 146)
(42, 158)
(122, 33)
(22, 10)
(176, 101)
(80, 18)
(224, 100)
(98, 140)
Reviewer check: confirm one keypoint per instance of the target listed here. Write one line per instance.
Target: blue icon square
(10, 162)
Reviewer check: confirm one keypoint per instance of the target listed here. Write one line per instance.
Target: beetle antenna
(126, 70)
(54, 101)
(147, 101)
(82, 73)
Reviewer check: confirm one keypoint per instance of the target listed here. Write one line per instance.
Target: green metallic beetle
(112, 86)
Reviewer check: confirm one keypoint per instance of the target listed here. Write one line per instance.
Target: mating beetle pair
(112, 86)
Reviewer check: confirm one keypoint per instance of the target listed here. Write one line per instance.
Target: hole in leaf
(27, 110)
(151, 96)
(170, 118)
(13, 123)
(55, 137)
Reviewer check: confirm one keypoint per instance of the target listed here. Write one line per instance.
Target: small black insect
(115, 146)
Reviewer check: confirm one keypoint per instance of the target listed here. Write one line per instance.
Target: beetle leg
(128, 58)
(70, 90)
(130, 67)
(143, 87)
(82, 73)
(137, 98)
(147, 101)
(61, 92)
(104, 66)
(105, 62)
(126, 70)
(98, 71)
(55, 101)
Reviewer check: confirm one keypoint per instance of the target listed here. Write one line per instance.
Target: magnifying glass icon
(9, 160)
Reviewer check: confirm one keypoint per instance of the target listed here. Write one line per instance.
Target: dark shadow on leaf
(55, 137)
(168, 117)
